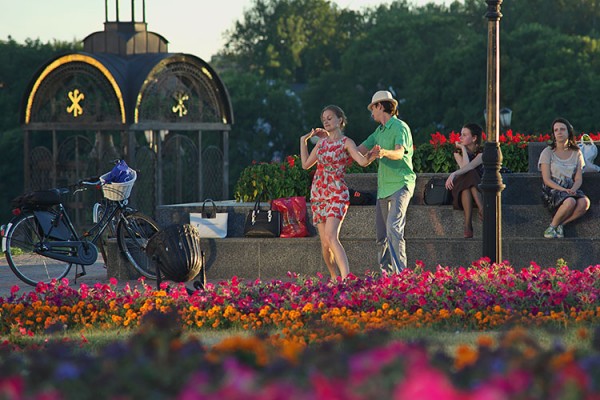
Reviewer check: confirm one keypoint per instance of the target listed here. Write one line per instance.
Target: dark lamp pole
(491, 182)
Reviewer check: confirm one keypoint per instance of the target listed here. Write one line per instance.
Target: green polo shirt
(393, 175)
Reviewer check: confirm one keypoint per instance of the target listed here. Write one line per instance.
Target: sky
(191, 26)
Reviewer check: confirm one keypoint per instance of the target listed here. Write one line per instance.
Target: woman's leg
(326, 250)
(478, 200)
(467, 203)
(581, 207)
(565, 210)
(332, 232)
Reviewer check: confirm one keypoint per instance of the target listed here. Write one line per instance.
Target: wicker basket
(118, 191)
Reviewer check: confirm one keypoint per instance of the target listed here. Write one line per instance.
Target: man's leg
(381, 216)
(396, 221)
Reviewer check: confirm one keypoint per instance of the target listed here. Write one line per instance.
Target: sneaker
(560, 232)
(550, 232)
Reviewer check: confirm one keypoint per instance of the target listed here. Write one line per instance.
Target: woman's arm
(474, 163)
(462, 159)
(307, 160)
(361, 159)
(578, 178)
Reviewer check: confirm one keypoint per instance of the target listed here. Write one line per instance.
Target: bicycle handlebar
(91, 181)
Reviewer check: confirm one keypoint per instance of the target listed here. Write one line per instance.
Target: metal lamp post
(491, 182)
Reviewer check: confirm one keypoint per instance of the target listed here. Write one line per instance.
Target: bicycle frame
(70, 246)
(41, 242)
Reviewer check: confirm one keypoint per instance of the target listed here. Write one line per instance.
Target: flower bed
(312, 338)
(483, 296)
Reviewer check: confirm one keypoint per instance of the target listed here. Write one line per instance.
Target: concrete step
(518, 221)
(275, 258)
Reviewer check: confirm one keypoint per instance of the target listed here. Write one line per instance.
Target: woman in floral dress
(329, 193)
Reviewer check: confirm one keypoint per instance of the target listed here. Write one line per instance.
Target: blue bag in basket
(119, 174)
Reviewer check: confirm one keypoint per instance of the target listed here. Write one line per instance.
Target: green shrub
(276, 180)
(287, 178)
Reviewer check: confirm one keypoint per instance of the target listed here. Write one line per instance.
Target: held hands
(375, 152)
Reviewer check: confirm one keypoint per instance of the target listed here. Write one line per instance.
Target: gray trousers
(390, 221)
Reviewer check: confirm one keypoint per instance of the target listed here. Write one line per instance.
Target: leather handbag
(210, 225)
(262, 223)
(436, 193)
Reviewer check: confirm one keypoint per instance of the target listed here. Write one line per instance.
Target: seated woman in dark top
(464, 182)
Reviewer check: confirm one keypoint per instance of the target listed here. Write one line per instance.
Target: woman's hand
(305, 138)
(320, 132)
(450, 181)
(569, 191)
(460, 146)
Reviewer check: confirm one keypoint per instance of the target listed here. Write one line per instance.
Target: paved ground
(95, 273)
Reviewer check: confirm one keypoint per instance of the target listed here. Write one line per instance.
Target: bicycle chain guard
(84, 253)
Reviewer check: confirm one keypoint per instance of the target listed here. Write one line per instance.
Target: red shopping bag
(293, 216)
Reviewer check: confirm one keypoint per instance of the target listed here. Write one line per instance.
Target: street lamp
(491, 181)
(505, 117)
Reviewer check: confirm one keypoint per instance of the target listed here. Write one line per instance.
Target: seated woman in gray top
(561, 165)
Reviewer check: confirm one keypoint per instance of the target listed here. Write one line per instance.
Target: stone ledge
(117, 265)
(275, 258)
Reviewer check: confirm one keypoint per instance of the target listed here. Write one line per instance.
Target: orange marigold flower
(485, 341)
(465, 356)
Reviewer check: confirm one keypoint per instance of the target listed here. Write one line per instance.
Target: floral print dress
(329, 193)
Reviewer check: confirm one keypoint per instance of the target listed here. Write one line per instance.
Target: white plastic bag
(590, 151)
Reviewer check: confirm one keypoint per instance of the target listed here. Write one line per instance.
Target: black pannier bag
(177, 253)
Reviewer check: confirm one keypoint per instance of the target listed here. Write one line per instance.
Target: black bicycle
(41, 243)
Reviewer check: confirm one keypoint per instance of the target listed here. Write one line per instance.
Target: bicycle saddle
(38, 198)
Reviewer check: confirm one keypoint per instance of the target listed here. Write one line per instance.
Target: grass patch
(435, 339)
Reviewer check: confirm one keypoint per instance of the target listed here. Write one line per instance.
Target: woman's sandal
(468, 234)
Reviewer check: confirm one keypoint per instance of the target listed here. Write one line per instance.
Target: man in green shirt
(392, 143)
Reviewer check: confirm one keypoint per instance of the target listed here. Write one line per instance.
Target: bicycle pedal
(80, 274)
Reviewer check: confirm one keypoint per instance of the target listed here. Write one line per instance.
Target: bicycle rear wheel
(133, 233)
(22, 238)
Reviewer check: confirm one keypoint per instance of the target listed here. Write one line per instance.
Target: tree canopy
(286, 59)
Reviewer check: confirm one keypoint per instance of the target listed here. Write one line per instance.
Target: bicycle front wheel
(22, 239)
(133, 233)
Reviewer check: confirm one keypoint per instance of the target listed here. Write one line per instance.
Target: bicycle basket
(176, 250)
(118, 191)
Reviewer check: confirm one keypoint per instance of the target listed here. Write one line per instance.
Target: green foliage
(287, 179)
(294, 40)
(515, 157)
(429, 158)
(439, 157)
(275, 180)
